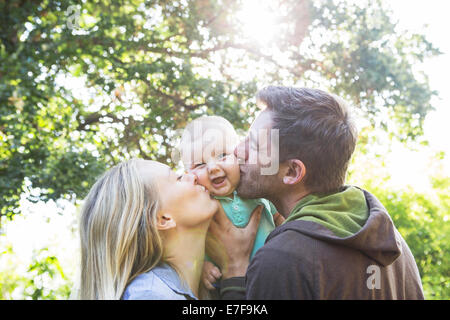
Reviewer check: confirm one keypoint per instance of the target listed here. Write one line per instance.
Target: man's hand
(229, 246)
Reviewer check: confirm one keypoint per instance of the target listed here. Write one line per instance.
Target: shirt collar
(226, 197)
(170, 277)
(236, 198)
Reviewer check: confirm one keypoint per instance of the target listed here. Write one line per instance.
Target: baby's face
(218, 169)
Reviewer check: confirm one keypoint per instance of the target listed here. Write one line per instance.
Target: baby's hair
(208, 122)
(206, 127)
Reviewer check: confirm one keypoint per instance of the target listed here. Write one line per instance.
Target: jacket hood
(378, 238)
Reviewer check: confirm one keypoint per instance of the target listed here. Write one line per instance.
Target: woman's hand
(229, 246)
(210, 275)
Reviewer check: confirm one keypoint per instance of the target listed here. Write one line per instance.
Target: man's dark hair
(314, 127)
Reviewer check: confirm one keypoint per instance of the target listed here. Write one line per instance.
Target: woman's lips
(202, 188)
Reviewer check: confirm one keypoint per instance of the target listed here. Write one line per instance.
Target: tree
(150, 66)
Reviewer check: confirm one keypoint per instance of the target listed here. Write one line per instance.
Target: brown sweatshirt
(305, 260)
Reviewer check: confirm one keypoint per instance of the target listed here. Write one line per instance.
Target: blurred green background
(87, 84)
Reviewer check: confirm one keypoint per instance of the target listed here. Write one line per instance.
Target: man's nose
(241, 152)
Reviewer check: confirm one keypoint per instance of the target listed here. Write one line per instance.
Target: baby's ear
(166, 222)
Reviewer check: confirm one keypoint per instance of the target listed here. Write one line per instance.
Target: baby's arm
(210, 275)
(278, 219)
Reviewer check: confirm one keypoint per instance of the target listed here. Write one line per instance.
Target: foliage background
(86, 84)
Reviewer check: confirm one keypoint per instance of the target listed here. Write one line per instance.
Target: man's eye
(252, 141)
(222, 155)
(198, 165)
(253, 145)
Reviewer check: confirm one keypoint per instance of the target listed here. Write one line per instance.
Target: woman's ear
(165, 222)
(295, 172)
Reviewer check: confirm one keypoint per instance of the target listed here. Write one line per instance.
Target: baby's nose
(213, 167)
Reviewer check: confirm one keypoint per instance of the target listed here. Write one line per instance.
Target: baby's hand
(210, 275)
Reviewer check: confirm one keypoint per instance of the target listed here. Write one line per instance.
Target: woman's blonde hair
(118, 229)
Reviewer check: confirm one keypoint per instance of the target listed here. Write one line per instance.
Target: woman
(143, 233)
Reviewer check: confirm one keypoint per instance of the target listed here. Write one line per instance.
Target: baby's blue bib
(239, 210)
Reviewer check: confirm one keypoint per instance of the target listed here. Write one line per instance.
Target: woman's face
(187, 202)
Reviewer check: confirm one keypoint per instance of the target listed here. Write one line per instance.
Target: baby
(207, 151)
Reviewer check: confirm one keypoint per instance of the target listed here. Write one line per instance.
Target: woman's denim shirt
(160, 283)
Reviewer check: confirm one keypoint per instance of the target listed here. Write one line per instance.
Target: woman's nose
(189, 177)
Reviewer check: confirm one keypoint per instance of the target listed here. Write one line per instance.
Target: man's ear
(294, 172)
(165, 222)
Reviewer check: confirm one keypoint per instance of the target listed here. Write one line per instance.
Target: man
(338, 242)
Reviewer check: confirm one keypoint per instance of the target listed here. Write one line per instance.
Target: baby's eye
(222, 155)
(179, 177)
(198, 165)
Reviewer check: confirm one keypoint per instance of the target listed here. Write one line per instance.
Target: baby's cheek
(202, 178)
(233, 173)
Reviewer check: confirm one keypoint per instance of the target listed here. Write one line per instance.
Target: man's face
(253, 157)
